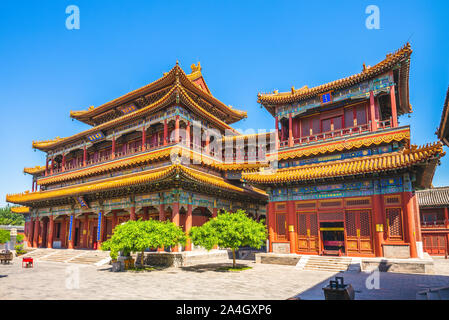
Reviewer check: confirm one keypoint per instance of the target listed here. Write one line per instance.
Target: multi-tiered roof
(398, 61)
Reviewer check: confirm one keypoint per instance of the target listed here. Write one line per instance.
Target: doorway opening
(333, 238)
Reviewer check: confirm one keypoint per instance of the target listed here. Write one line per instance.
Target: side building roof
(399, 59)
(433, 197)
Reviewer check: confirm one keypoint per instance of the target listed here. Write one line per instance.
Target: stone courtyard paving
(53, 280)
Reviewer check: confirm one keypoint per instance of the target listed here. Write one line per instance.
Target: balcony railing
(433, 224)
(237, 157)
(329, 135)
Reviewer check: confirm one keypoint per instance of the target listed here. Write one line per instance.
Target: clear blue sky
(245, 47)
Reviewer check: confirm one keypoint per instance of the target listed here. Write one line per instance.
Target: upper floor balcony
(235, 155)
(334, 134)
(441, 223)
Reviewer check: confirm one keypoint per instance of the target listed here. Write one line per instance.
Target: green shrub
(4, 236)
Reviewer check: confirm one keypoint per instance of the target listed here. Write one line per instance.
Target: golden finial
(195, 68)
(293, 89)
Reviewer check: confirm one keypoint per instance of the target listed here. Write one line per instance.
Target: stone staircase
(325, 263)
(433, 294)
(94, 257)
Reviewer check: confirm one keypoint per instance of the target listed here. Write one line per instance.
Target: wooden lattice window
(360, 202)
(307, 224)
(351, 228)
(389, 200)
(330, 204)
(302, 224)
(365, 224)
(394, 223)
(281, 207)
(305, 206)
(281, 226)
(334, 216)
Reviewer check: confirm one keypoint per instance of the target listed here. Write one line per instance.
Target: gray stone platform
(183, 259)
(423, 266)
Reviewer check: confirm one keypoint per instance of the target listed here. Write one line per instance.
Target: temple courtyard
(84, 280)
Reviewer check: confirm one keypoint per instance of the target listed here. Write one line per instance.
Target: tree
(137, 236)
(10, 218)
(4, 236)
(230, 230)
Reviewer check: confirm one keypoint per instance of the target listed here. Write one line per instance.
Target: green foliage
(19, 249)
(4, 236)
(136, 236)
(9, 218)
(230, 230)
(19, 238)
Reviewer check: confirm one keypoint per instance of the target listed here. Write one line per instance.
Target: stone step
(327, 263)
(324, 269)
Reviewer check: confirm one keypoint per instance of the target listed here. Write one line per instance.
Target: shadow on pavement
(216, 267)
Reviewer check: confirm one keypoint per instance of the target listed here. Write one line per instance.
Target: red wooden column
(161, 218)
(161, 212)
(145, 214)
(113, 148)
(291, 225)
(409, 222)
(36, 233)
(394, 112)
(72, 232)
(270, 223)
(114, 221)
(63, 232)
(446, 217)
(206, 145)
(86, 230)
(175, 219)
(52, 165)
(276, 133)
(165, 132)
(378, 213)
(446, 224)
(101, 225)
(214, 214)
(132, 213)
(177, 129)
(188, 134)
(290, 130)
(144, 138)
(188, 226)
(31, 233)
(51, 229)
(85, 156)
(372, 111)
(63, 162)
(46, 166)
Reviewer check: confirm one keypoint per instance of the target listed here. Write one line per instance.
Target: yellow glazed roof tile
(348, 167)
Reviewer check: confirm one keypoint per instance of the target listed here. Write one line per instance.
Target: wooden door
(434, 244)
(358, 231)
(307, 228)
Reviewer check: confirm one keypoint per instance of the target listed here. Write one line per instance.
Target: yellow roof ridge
(305, 91)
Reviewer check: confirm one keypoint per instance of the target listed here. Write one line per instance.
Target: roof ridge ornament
(195, 68)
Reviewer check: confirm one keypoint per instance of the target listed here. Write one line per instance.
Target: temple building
(336, 177)
(155, 152)
(434, 213)
(343, 178)
(443, 129)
